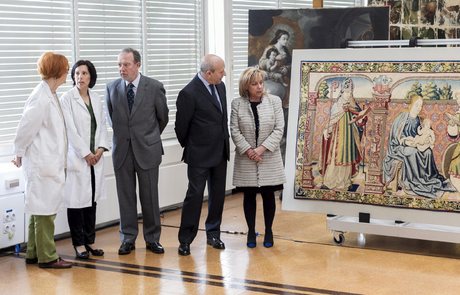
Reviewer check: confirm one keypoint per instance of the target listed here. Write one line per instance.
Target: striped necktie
(130, 96)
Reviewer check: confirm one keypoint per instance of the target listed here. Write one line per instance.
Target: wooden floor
(304, 260)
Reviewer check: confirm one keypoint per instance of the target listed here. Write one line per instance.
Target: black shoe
(184, 249)
(155, 247)
(80, 255)
(31, 260)
(216, 243)
(251, 239)
(126, 248)
(268, 239)
(94, 252)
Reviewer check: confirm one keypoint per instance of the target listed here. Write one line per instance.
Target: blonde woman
(257, 125)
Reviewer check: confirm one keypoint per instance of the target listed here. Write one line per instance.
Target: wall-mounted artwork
(428, 19)
(273, 34)
(378, 127)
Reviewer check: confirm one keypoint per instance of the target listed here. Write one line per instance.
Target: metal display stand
(365, 224)
(339, 225)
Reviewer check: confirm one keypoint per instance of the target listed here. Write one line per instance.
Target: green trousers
(41, 238)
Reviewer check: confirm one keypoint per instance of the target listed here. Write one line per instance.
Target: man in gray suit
(139, 114)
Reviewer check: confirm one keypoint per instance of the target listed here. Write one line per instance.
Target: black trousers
(215, 177)
(82, 221)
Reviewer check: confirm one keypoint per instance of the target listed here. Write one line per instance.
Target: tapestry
(426, 19)
(381, 128)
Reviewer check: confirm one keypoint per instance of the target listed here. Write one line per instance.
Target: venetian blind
(27, 29)
(173, 47)
(104, 28)
(342, 3)
(285, 4)
(167, 33)
(296, 4)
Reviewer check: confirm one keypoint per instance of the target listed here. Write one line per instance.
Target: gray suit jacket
(143, 126)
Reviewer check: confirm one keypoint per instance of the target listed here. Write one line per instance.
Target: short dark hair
(273, 49)
(136, 54)
(91, 70)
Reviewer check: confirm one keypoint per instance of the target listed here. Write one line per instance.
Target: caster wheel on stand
(339, 238)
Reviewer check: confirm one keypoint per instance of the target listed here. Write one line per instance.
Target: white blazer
(41, 142)
(270, 171)
(78, 190)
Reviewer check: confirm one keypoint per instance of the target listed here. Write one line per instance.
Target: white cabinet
(11, 206)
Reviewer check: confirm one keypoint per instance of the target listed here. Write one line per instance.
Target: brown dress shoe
(57, 264)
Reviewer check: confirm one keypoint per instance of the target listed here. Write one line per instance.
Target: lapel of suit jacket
(204, 89)
(140, 94)
(122, 99)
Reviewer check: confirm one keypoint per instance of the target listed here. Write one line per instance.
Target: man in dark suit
(139, 114)
(201, 128)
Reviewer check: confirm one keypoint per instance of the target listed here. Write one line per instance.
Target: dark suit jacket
(143, 126)
(201, 127)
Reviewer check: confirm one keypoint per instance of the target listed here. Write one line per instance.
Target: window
(342, 3)
(174, 47)
(104, 27)
(27, 29)
(296, 4)
(167, 33)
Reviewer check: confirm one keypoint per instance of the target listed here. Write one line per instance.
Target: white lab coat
(42, 144)
(78, 184)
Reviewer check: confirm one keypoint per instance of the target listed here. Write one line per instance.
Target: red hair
(52, 65)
